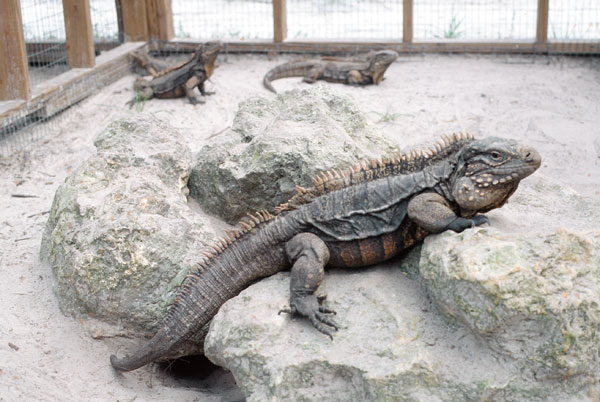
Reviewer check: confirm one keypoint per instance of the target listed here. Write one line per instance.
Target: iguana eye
(496, 155)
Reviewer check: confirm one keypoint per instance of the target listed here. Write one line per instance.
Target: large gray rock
(120, 236)
(533, 297)
(513, 316)
(277, 144)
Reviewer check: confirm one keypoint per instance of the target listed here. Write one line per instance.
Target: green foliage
(388, 116)
(453, 29)
(140, 101)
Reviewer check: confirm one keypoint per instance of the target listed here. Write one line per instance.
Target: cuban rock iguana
(180, 80)
(365, 72)
(355, 217)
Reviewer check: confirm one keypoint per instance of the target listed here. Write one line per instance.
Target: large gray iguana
(354, 217)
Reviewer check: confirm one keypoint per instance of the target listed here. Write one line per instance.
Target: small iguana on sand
(365, 72)
(350, 218)
(180, 80)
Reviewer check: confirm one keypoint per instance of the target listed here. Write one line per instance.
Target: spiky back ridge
(401, 163)
(176, 66)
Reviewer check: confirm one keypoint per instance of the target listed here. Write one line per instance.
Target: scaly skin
(368, 71)
(180, 80)
(356, 217)
(152, 65)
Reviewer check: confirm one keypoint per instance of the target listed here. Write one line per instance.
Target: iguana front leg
(432, 212)
(189, 86)
(309, 255)
(314, 74)
(203, 91)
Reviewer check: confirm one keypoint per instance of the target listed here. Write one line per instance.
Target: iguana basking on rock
(180, 80)
(350, 218)
(368, 71)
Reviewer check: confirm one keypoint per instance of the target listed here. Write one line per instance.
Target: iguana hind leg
(432, 212)
(314, 74)
(309, 255)
(354, 77)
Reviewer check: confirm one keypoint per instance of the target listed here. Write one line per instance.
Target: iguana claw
(310, 307)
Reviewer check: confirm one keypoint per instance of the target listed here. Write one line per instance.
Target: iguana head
(489, 171)
(208, 52)
(379, 62)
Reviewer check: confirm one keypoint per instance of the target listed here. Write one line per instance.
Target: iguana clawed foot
(310, 306)
(460, 224)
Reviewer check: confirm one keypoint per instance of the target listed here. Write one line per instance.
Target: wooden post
(407, 21)
(160, 19)
(279, 21)
(14, 73)
(542, 21)
(135, 20)
(78, 29)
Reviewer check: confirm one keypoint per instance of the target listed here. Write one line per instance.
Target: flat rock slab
(393, 345)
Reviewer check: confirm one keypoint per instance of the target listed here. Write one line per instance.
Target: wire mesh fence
(105, 21)
(344, 20)
(368, 20)
(572, 24)
(574, 20)
(223, 19)
(45, 40)
(44, 31)
(470, 20)
(41, 119)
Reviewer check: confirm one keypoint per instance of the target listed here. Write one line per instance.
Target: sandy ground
(550, 103)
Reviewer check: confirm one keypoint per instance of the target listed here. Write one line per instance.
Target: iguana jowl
(180, 80)
(365, 72)
(355, 217)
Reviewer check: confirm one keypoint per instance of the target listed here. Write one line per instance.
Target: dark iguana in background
(364, 72)
(151, 65)
(180, 80)
(350, 218)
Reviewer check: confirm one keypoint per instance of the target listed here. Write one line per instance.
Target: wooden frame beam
(407, 21)
(160, 19)
(78, 30)
(14, 72)
(542, 21)
(279, 21)
(338, 48)
(135, 20)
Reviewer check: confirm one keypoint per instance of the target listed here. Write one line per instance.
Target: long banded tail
(253, 252)
(291, 69)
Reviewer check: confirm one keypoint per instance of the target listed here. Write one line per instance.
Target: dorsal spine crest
(368, 170)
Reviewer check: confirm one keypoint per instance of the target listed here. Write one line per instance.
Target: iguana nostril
(532, 156)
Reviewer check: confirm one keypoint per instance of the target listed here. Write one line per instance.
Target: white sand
(552, 104)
